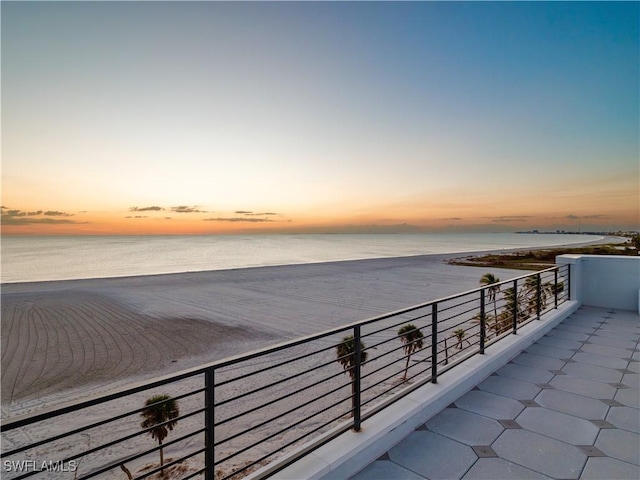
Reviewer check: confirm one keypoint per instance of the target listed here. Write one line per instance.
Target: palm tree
(158, 410)
(411, 337)
(556, 289)
(346, 356)
(531, 286)
(492, 292)
(513, 301)
(460, 333)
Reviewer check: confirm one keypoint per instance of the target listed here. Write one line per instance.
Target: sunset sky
(181, 117)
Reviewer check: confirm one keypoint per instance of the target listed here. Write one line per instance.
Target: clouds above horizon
(22, 217)
(239, 219)
(146, 209)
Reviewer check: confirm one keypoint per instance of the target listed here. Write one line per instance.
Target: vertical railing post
(356, 379)
(434, 343)
(482, 321)
(209, 422)
(446, 352)
(515, 307)
(555, 293)
(538, 295)
(568, 282)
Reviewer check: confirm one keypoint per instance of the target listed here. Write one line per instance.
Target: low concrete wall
(607, 281)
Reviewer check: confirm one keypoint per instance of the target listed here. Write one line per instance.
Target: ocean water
(31, 258)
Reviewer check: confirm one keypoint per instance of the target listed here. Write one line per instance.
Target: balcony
(567, 406)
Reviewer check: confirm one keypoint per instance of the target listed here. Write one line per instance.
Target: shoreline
(434, 256)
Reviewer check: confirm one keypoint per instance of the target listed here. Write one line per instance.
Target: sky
(294, 117)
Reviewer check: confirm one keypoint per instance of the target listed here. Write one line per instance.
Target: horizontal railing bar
(401, 347)
(461, 314)
(324, 441)
(275, 434)
(394, 374)
(265, 387)
(408, 320)
(88, 427)
(129, 437)
(266, 422)
(271, 367)
(141, 454)
(386, 365)
(263, 405)
(401, 394)
(442, 309)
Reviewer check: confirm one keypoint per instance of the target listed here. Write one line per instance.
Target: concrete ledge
(349, 453)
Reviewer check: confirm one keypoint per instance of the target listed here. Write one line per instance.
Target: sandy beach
(85, 337)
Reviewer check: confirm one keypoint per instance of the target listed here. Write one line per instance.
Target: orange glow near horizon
(458, 219)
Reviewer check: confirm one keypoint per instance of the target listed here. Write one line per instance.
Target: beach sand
(85, 337)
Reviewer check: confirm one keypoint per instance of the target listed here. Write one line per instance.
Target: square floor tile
(590, 451)
(509, 424)
(484, 451)
(545, 386)
(602, 424)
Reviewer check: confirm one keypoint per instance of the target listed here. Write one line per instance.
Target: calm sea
(59, 258)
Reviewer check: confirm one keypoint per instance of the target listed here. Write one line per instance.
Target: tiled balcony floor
(566, 408)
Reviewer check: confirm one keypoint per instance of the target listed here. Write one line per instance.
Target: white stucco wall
(608, 281)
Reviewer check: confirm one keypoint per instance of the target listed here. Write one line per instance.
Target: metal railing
(241, 413)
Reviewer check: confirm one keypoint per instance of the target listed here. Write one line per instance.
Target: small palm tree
(346, 356)
(411, 337)
(490, 322)
(460, 333)
(531, 286)
(158, 410)
(556, 289)
(492, 292)
(515, 301)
